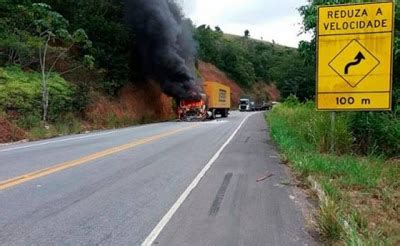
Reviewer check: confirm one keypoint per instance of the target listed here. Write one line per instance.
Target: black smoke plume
(165, 43)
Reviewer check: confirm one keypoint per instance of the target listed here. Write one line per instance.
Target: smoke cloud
(165, 44)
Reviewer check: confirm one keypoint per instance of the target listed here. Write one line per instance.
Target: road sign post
(355, 57)
(333, 127)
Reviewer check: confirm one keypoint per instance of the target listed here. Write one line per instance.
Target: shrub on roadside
(376, 133)
(328, 220)
(315, 127)
(361, 205)
(29, 121)
(20, 93)
(362, 133)
(68, 124)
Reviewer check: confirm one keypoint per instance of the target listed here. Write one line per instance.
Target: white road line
(167, 217)
(74, 138)
(56, 141)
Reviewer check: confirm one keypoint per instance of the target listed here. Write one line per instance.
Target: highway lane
(242, 200)
(27, 157)
(120, 194)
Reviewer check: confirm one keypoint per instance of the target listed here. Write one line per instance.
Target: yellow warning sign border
(338, 109)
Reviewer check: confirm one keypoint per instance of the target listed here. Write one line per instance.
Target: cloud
(271, 20)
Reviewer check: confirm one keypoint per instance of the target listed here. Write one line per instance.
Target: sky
(268, 20)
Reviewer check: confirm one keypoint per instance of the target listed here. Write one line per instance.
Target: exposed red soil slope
(134, 104)
(211, 73)
(9, 132)
(274, 93)
(262, 90)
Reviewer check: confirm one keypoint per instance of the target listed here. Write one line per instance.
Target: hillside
(135, 103)
(250, 62)
(66, 74)
(20, 100)
(235, 37)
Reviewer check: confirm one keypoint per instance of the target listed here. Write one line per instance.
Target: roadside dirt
(260, 90)
(10, 132)
(135, 104)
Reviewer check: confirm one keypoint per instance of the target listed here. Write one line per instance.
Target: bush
(315, 127)
(29, 121)
(361, 133)
(68, 124)
(20, 92)
(376, 133)
(37, 133)
(292, 100)
(250, 61)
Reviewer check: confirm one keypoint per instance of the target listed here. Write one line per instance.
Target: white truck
(245, 105)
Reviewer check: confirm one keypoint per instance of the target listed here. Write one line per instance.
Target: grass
(328, 221)
(71, 124)
(66, 125)
(20, 93)
(21, 105)
(362, 192)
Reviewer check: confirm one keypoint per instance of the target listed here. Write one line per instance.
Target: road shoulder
(229, 206)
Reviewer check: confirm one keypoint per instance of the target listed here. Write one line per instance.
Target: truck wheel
(225, 113)
(214, 114)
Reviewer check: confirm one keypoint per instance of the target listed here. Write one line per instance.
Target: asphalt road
(163, 184)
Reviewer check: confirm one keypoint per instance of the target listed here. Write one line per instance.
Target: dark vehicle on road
(262, 106)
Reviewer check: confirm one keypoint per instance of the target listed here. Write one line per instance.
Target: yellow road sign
(355, 57)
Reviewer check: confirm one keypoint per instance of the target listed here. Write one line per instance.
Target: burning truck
(216, 99)
(165, 45)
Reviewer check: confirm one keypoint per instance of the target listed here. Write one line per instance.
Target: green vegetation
(250, 61)
(40, 41)
(34, 37)
(85, 42)
(26, 23)
(21, 98)
(29, 36)
(65, 125)
(43, 42)
(362, 192)
(112, 41)
(20, 93)
(356, 163)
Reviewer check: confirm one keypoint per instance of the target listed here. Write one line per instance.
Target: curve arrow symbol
(357, 61)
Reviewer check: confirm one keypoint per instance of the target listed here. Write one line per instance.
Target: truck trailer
(216, 99)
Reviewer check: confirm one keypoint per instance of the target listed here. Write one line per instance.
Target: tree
(113, 41)
(209, 44)
(15, 37)
(249, 61)
(38, 35)
(51, 27)
(247, 34)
